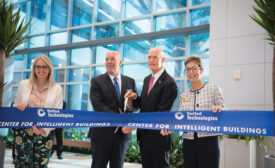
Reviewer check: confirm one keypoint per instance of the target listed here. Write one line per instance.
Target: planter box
(234, 154)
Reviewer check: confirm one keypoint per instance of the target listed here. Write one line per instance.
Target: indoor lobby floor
(70, 160)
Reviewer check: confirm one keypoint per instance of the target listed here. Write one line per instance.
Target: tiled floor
(70, 160)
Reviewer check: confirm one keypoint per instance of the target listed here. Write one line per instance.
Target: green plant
(176, 155)
(11, 35)
(8, 138)
(133, 153)
(265, 10)
(261, 140)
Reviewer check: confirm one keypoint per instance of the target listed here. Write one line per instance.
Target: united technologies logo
(41, 112)
(179, 115)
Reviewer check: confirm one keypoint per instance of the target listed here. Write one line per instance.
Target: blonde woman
(200, 150)
(33, 145)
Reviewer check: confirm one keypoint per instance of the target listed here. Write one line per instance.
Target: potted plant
(240, 150)
(265, 10)
(12, 34)
(266, 19)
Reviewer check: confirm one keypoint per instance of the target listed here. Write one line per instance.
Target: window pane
(98, 70)
(134, 8)
(200, 17)
(37, 41)
(77, 98)
(18, 63)
(139, 87)
(38, 15)
(59, 14)
(80, 56)
(205, 62)
(27, 75)
(108, 10)
(22, 5)
(175, 68)
(78, 75)
(100, 53)
(59, 75)
(198, 2)
(136, 27)
(205, 80)
(82, 12)
(134, 51)
(164, 5)
(180, 84)
(28, 60)
(136, 71)
(58, 58)
(199, 44)
(17, 77)
(80, 35)
(58, 38)
(14, 91)
(172, 47)
(107, 31)
(172, 21)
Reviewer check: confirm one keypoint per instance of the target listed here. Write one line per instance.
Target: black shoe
(59, 157)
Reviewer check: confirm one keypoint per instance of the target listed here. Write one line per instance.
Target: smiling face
(155, 60)
(42, 70)
(113, 63)
(193, 71)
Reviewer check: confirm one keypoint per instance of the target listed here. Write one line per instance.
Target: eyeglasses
(194, 68)
(38, 67)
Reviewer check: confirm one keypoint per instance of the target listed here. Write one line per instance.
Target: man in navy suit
(107, 95)
(158, 94)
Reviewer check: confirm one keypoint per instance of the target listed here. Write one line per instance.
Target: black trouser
(59, 141)
(155, 159)
(109, 151)
(201, 152)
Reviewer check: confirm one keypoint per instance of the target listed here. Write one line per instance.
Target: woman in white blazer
(200, 150)
(33, 145)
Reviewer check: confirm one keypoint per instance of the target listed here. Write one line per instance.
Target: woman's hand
(38, 131)
(216, 109)
(20, 106)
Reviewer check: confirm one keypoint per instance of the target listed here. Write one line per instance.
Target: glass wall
(62, 22)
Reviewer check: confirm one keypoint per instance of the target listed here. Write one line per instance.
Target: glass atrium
(76, 34)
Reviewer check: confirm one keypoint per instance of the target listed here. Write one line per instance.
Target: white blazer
(54, 97)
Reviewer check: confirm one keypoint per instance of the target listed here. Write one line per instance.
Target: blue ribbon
(257, 123)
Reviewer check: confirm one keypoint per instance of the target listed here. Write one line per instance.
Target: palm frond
(2, 85)
(12, 30)
(265, 10)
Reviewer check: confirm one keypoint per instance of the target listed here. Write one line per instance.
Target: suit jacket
(104, 99)
(160, 99)
(54, 97)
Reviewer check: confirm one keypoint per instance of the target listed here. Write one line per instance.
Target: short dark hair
(195, 59)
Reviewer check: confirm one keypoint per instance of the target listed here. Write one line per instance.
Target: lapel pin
(186, 98)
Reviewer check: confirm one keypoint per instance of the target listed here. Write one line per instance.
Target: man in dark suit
(158, 94)
(107, 95)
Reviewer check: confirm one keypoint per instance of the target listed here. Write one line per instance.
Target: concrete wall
(237, 44)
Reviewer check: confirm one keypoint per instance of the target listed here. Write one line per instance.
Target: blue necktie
(117, 88)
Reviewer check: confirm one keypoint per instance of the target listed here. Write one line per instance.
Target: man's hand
(130, 95)
(165, 132)
(127, 130)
